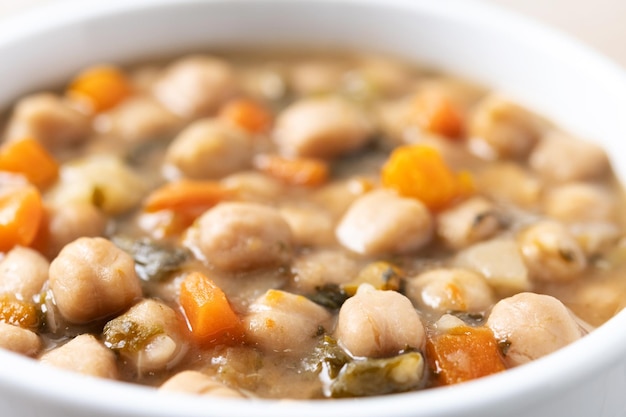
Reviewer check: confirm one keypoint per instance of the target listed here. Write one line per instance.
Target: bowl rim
(16, 371)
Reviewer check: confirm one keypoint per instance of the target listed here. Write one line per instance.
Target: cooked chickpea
(321, 267)
(500, 129)
(91, 279)
(382, 222)
(562, 158)
(311, 226)
(23, 272)
(50, 119)
(510, 183)
(580, 202)
(240, 236)
(83, 354)
(450, 290)
(208, 149)
(194, 382)
(469, 222)
(138, 119)
(321, 128)
(254, 187)
(195, 86)
(67, 223)
(551, 252)
(19, 340)
(316, 77)
(279, 321)
(531, 326)
(155, 340)
(377, 323)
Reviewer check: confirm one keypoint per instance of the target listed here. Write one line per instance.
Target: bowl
(575, 87)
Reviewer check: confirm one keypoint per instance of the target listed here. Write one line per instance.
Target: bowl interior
(574, 87)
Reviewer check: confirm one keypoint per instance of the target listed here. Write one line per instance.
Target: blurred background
(598, 23)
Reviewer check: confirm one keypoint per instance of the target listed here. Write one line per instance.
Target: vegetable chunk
(464, 353)
(210, 317)
(418, 171)
(29, 158)
(21, 212)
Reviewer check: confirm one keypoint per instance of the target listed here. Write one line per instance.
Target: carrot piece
(420, 172)
(436, 113)
(464, 353)
(18, 312)
(209, 315)
(21, 212)
(188, 197)
(29, 158)
(248, 115)
(100, 88)
(293, 171)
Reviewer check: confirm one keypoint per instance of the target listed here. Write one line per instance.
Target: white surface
(538, 67)
(598, 23)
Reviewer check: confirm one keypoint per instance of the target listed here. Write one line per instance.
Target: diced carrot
(209, 315)
(293, 171)
(21, 211)
(436, 113)
(464, 353)
(18, 313)
(419, 171)
(100, 88)
(189, 197)
(29, 158)
(248, 115)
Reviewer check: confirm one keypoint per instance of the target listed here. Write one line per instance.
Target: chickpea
(254, 187)
(50, 119)
(321, 267)
(208, 149)
(67, 223)
(325, 127)
(279, 321)
(382, 222)
(91, 279)
(561, 158)
(195, 86)
(241, 236)
(316, 77)
(450, 290)
(531, 326)
(377, 323)
(508, 182)
(19, 340)
(138, 119)
(83, 354)
(551, 252)
(500, 129)
(311, 226)
(154, 341)
(194, 382)
(469, 222)
(23, 272)
(580, 202)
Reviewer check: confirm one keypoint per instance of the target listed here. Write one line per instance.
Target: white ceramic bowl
(573, 86)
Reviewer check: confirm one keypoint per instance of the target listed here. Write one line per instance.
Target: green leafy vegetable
(127, 335)
(331, 296)
(366, 377)
(153, 261)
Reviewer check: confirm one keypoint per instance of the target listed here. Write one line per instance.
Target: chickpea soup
(299, 226)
